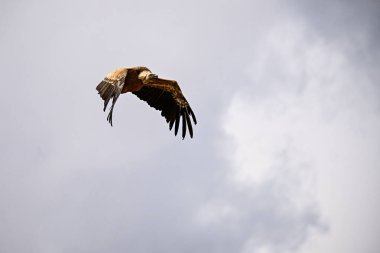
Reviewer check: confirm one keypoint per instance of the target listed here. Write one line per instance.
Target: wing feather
(192, 115)
(189, 125)
(183, 124)
(171, 123)
(110, 88)
(166, 96)
(176, 124)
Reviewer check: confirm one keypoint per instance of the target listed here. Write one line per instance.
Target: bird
(162, 94)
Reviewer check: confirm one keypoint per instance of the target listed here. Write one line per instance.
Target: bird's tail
(107, 91)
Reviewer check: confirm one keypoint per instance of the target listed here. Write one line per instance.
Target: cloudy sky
(285, 156)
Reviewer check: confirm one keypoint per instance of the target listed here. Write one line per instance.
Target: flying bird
(162, 94)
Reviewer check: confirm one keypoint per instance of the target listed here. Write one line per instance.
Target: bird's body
(161, 94)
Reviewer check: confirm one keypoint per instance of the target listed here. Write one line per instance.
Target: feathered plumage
(161, 94)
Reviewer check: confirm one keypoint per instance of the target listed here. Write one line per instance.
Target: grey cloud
(69, 182)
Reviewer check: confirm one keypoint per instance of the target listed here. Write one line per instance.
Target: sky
(285, 155)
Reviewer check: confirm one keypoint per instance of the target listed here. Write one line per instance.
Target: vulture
(162, 94)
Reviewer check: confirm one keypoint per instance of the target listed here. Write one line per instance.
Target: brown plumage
(161, 94)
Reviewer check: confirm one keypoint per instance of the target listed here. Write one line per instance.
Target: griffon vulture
(161, 94)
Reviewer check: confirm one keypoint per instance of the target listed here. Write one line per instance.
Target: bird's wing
(111, 87)
(166, 96)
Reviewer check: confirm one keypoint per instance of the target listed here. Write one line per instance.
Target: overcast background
(285, 157)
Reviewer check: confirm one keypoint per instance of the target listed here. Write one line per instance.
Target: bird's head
(152, 76)
(146, 75)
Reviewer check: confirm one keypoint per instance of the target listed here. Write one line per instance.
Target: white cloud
(309, 122)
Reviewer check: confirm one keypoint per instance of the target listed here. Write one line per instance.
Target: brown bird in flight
(161, 94)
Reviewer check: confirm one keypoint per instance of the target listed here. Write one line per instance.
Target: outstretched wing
(166, 96)
(111, 87)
